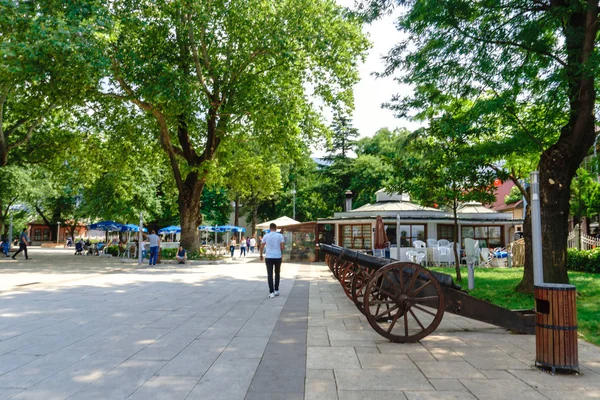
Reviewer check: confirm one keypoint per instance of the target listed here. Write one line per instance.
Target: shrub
(201, 254)
(584, 260)
(113, 250)
(168, 254)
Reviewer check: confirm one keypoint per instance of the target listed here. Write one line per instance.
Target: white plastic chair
(432, 243)
(421, 248)
(443, 243)
(444, 255)
(415, 257)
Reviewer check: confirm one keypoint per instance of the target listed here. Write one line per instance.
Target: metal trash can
(556, 327)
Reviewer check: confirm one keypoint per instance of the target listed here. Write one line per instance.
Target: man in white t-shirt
(272, 246)
(154, 240)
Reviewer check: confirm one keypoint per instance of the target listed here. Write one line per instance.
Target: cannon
(404, 302)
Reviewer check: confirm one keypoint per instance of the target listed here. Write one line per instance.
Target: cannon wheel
(358, 286)
(329, 260)
(346, 276)
(403, 302)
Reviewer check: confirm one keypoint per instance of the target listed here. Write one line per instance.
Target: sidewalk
(462, 359)
(96, 329)
(151, 333)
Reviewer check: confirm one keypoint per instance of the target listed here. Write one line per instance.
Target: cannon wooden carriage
(404, 302)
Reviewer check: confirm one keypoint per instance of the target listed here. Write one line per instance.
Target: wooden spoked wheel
(337, 268)
(403, 302)
(358, 286)
(329, 260)
(346, 275)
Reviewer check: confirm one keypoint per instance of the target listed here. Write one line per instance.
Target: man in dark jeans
(273, 243)
(23, 240)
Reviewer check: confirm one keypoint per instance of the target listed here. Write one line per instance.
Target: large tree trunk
(254, 218)
(558, 165)
(189, 212)
(236, 212)
(526, 284)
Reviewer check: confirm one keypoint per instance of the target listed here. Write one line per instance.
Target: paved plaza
(78, 327)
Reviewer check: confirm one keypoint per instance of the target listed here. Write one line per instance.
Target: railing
(582, 242)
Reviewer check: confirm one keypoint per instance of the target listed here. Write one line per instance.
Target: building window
(390, 231)
(410, 233)
(46, 235)
(488, 236)
(356, 236)
(445, 232)
(37, 235)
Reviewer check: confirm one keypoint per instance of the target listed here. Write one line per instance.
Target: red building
(40, 233)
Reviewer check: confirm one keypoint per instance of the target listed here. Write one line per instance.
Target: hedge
(584, 260)
(169, 254)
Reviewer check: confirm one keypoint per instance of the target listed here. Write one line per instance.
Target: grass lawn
(496, 285)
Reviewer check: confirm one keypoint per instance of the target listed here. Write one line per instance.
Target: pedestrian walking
(252, 244)
(154, 240)
(232, 246)
(272, 245)
(23, 240)
(243, 247)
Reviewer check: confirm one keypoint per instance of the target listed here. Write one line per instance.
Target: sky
(371, 92)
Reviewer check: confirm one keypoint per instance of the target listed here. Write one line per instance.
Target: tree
(342, 138)
(251, 174)
(585, 197)
(47, 48)
(436, 166)
(205, 70)
(15, 186)
(511, 55)
(513, 196)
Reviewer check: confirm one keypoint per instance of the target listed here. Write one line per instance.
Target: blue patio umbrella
(108, 226)
(170, 230)
(132, 228)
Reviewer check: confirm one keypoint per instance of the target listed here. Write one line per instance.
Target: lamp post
(58, 233)
(294, 201)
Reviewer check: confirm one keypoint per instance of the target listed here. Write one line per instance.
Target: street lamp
(57, 233)
(294, 201)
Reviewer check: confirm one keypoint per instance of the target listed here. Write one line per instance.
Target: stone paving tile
(377, 380)
(448, 369)
(6, 394)
(439, 395)
(120, 382)
(320, 389)
(490, 358)
(331, 358)
(70, 380)
(165, 387)
(39, 369)
(195, 359)
(386, 361)
(447, 385)
(571, 395)
(543, 379)
(501, 389)
(319, 374)
(362, 395)
(167, 347)
(11, 361)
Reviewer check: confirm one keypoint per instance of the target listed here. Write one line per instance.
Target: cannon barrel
(376, 263)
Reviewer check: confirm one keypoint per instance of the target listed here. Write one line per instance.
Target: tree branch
(199, 74)
(510, 43)
(27, 137)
